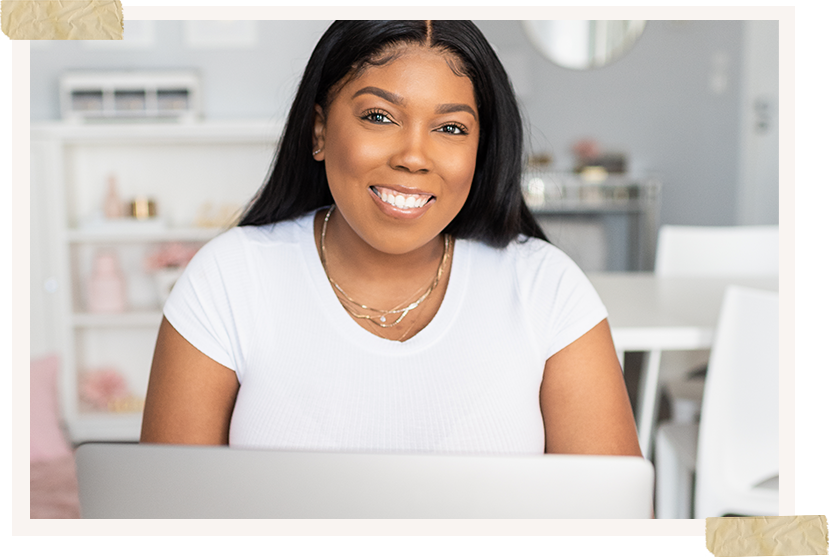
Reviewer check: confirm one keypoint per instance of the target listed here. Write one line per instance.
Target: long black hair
(494, 212)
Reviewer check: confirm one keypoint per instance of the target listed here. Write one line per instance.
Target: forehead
(413, 70)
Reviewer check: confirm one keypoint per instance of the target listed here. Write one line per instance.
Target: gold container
(142, 208)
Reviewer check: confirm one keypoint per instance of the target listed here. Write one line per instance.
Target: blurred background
(144, 149)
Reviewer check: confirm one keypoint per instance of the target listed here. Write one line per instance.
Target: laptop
(119, 480)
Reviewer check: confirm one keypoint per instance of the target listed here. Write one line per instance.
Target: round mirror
(582, 44)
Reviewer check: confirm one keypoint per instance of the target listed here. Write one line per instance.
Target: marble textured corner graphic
(62, 19)
(752, 536)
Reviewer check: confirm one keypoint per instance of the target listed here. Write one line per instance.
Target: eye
(453, 129)
(376, 117)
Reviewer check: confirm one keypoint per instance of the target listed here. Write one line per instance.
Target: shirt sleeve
(204, 305)
(563, 303)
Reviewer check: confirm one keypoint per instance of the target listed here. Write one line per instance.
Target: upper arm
(584, 401)
(190, 397)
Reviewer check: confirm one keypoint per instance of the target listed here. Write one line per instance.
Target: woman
(388, 289)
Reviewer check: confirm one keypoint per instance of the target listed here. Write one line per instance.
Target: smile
(401, 200)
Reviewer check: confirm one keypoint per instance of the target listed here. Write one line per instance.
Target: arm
(190, 397)
(584, 402)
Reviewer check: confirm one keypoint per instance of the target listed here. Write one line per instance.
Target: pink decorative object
(101, 387)
(586, 150)
(54, 488)
(46, 441)
(107, 287)
(165, 280)
(113, 207)
(170, 256)
(167, 264)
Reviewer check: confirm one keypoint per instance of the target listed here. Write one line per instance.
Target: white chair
(707, 251)
(675, 454)
(698, 251)
(717, 250)
(735, 453)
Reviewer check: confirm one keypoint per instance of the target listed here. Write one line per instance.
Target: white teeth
(403, 201)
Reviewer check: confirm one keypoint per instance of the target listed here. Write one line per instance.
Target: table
(651, 313)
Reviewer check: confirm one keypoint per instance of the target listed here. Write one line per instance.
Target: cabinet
(606, 224)
(183, 168)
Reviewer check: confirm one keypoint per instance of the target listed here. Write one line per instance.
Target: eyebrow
(382, 93)
(448, 108)
(398, 100)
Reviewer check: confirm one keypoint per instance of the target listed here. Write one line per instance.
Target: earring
(317, 152)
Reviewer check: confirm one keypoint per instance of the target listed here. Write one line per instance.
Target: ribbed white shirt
(256, 299)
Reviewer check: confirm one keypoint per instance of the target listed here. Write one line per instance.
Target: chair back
(738, 437)
(717, 250)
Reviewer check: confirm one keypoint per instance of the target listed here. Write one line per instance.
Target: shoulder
(539, 273)
(535, 250)
(238, 241)
(526, 257)
(240, 254)
(555, 294)
(236, 267)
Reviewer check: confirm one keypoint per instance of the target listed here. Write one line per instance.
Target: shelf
(576, 206)
(105, 426)
(127, 319)
(107, 236)
(229, 131)
(188, 168)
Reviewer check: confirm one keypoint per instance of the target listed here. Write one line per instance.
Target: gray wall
(655, 104)
(663, 104)
(244, 83)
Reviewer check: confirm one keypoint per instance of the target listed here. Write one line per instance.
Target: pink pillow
(46, 439)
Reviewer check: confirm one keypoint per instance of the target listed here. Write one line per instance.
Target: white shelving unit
(181, 167)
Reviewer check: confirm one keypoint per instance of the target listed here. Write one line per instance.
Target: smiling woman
(388, 289)
(390, 133)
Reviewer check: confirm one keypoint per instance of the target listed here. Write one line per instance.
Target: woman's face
(399, 144)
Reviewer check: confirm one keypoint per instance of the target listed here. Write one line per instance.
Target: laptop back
(168, 481)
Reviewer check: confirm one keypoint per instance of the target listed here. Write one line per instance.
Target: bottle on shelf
(113, 206)
(106, 290)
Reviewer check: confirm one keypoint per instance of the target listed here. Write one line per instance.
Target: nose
(412, 152)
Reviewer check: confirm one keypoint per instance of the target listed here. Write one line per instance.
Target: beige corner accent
(766, 535)
(62, 19)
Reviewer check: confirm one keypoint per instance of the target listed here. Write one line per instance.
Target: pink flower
(169, 255)
(101, 386)
(586, 149)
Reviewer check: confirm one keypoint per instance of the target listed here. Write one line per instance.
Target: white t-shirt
(256, 299)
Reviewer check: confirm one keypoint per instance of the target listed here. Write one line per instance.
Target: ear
(319, 133)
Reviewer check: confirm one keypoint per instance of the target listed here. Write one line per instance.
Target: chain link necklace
(380, 316)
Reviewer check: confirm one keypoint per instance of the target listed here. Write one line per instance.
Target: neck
(348, 254)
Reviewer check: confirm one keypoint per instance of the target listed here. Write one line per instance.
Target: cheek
(354, 156)
(460, 172)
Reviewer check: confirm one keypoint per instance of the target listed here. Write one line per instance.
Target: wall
(759, 170)
(672, 104)
(256, 81)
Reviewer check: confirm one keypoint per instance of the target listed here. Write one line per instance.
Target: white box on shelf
(129, 95)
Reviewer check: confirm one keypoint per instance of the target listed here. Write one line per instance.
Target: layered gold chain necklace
(382, 318)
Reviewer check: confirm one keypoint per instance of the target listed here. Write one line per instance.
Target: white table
(651, 314)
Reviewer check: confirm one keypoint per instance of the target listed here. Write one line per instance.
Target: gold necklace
(403, 309)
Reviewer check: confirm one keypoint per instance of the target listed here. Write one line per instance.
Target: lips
(401, 202)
